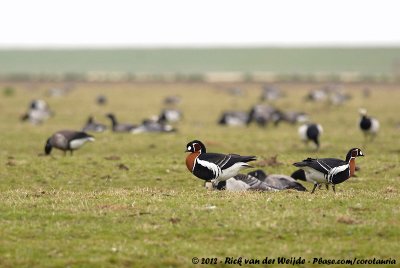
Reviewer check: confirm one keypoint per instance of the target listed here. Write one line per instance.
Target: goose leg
(315, 186)
(327, 187)
(333, 188)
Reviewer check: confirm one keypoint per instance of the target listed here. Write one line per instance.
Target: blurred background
(266, 41)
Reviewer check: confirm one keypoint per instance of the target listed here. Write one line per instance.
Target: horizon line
(199, 46)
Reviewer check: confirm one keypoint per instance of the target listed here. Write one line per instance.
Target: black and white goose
(317, 95)
(310, 132)
(293, 117)
(67, 140)
(118, 127)
(368, 125)
(214, 167)
(233, 118)
(92, 126)
(262, 114)
(38, 112)
(338, 97)
(152, 126)
(278, 181)
(271, 93)
(170, 115)
(330, 170)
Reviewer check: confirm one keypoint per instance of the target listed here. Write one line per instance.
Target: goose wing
(223, 161)
(323, 165)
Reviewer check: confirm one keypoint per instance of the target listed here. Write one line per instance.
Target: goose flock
(39, 112)
(223, 171)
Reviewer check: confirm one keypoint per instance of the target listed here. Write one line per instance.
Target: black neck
(348, 156)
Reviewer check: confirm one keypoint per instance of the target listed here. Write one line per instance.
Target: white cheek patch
(189, 148)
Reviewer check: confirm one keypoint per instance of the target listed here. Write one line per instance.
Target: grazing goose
(233, 118)
(101, 100)
(38, 112)
(317, 95)
(368, 125)
(152, 126)
(92, 126)
(67, 140)
(278, 116)
(278, 181)
(170, 115)
(172, 100)
(118, 127)
(214, 166)
(338, 98)
(329, 170)
(262, 114)
(293, 117)
(271, 93)
(310, 132)
(241, 182)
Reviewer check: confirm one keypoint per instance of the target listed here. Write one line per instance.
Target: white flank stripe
(211, 166)
(337, 170)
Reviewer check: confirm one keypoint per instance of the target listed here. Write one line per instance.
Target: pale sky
(160, 23)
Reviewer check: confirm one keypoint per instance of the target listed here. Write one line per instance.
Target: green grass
(366, 61)
(84, 211)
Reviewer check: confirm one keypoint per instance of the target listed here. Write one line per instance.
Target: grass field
(87, 211)
(363, 60)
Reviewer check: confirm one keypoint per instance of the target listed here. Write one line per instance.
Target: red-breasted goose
(214, 166)
(329, 170)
